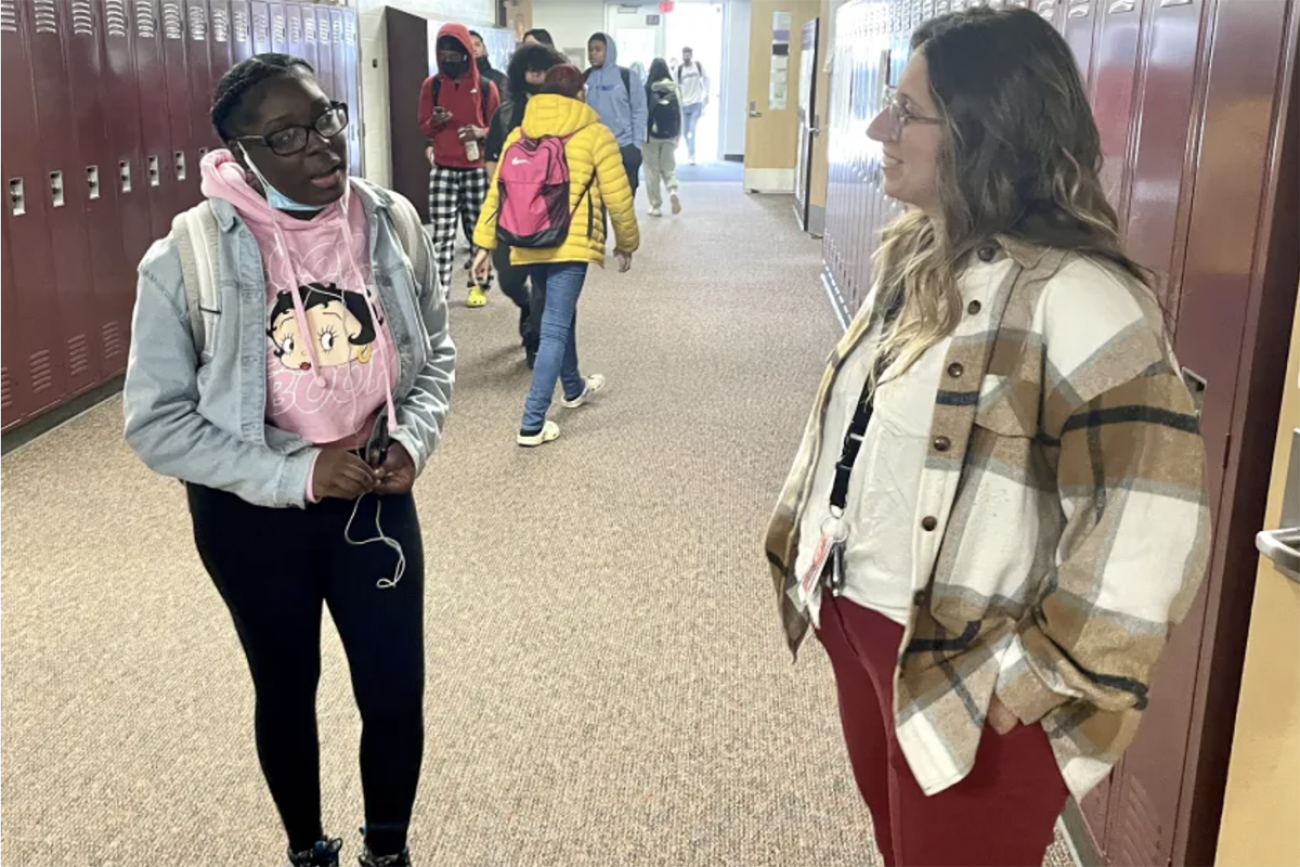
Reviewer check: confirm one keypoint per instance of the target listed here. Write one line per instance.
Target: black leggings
(274, 568)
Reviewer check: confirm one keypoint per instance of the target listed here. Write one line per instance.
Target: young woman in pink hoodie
(319, 394)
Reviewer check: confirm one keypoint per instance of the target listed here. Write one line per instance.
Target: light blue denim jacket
(207, 424)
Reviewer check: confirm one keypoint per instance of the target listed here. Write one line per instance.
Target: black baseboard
(43, 424)
(734, 158)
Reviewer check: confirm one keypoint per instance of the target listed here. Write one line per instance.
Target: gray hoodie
(622, 107)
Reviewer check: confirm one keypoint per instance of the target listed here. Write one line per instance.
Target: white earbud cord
(382, 583)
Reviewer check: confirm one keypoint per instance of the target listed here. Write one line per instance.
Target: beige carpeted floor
(607, 682)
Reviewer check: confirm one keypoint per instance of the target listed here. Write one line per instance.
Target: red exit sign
(665, 6)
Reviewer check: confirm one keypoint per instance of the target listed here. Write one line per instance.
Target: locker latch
(180, 165)
(56, 189)
(124, 175)
(92, 182)
(17, 198)
(155, 178)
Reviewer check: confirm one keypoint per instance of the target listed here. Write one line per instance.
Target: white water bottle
(471, 150)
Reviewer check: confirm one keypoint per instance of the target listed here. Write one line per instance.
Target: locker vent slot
(47, 19)
(261, 26)
(9, 16)
(83, 18)
(338, 31)
(115, 17)
(198, 23)
(309, 28)
(78, 355)
(295, 29)
(277, 32)
(42, 376)
(350, 35)
(241, 25)
(113, 344)
(220, 25)
(173, 21)
(146, 23)
(6, 389)
(56, 189)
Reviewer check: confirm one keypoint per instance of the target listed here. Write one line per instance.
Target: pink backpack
(533, 184)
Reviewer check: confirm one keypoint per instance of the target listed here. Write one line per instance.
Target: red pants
(1002, 815)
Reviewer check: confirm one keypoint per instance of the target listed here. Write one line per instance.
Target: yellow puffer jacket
(592, 149)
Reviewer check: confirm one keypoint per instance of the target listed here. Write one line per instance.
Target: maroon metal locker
(293, 30)
(1114, 88)
(352, 79)
(325, 52)
(157, 180)
(125, 168)
(202, 136)
(241, 30)
(310, 46)
(62, 185)
(36, 364)
(261, 26)
(220, 52)
(1081, 18)
(112, 278)
(14, 391)
(279, 28)
(180, 157)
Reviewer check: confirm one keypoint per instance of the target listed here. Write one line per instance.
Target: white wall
(469, 12)
(735, 92)
(571, 23)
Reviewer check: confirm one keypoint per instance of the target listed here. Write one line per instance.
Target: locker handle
(155, 174)
(1175, 2)
(92, 182)
(124, 175)
(180, 165)
(1119, 7)
(56, 189)
(1080, 11)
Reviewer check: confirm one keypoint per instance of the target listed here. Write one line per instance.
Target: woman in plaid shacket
(998, 510)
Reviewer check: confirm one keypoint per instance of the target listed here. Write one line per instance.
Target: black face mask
(455, 70)
(484, 64)
(532, 89)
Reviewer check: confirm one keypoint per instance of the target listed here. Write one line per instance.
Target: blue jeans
(691, 115)
(557, 354)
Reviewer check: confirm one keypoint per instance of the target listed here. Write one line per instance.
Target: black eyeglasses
(292, 139)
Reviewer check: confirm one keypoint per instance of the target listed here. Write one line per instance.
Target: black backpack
(665, 114)
(627, 78)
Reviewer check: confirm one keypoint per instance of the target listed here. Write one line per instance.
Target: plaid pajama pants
(453, 194)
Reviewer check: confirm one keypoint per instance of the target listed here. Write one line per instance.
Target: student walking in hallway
(558, 255)
(456, 106)
(695, 96)
(618, 98)
(999, 509)
(664, 131)
(294, 452)
(526, 73)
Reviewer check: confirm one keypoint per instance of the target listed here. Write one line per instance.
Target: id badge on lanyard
(827, 566)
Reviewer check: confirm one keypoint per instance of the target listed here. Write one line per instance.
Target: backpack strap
(194, 233)
(409, 231)
(623, 70)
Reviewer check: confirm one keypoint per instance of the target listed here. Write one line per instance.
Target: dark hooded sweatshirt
(462, 98)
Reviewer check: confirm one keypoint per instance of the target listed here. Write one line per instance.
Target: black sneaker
(370, 859)
(325, 853)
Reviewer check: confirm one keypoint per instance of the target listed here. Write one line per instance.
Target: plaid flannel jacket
(1062, 522)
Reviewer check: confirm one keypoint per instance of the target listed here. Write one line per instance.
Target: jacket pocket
(1009, 406)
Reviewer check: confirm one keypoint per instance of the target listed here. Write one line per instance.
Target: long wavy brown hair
(1020, 157)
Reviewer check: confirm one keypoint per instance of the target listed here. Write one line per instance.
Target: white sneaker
(549, 433)
(595, 383)
(677, 204)
(656, 212)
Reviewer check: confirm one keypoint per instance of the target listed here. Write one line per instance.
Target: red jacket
(462, 97)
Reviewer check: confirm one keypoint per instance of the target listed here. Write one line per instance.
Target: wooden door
(808, 62)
